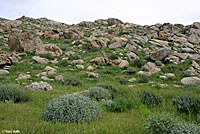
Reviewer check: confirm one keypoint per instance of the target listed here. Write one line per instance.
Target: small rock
(40, 60)
(42, 86)
(23, 76)
(191, 80)
(81, 67)
(4, 72)
(50, 70)
(90, 68)
(91, 74)
(132, 80)
(60, 78)
(46, 78)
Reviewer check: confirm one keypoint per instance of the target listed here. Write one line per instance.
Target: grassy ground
(26, 117)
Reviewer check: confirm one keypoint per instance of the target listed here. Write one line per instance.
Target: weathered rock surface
(42, 86)
(191, 80)
(160, 54)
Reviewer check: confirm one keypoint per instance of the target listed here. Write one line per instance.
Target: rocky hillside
(113, 75)
(147, 48)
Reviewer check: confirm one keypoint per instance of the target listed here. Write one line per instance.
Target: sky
(143, 12)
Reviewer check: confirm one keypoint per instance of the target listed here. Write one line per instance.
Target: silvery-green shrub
(184, 128)
(72, 108)
(111, 89)
(12, 92)
(98, 93)
(149, 98)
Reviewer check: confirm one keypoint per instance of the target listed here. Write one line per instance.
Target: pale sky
(144, 12)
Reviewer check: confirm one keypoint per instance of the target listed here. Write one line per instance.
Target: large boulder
(132, 56)
(190, 80)
(42, 86)
(24, 41)
(74, 33)
(40, 60)
(114, 21)
(160, 54)
(97, 43)
(8, 59)
(194, 39)
(49, 48)
(152, 67)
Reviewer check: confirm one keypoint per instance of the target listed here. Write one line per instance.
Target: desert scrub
(123, 80)
(143, 78)
(161, 124)
(48, 56)
(73, 57)
(72, 108)
(111, 89)
(166, 124)
(119, 104)
(71, 81)
(113, 57)
(98, 93)
(187, 104)
(131, 71)
(12, 92)
(158, 63)
(63, 63)
(149, 98)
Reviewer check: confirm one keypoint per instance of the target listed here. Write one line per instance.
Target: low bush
(187, 104)
(12, 92)
(161, 124)
(166, 124)
(72, 108)
(138, 63)
(113, 57)
(72, 81)
(131, 71)
(144, 68)
(73, 57)
(123, 80)
(48, 56)
(143, 79)
(111, 89)
(149, 98)
(98, 93)
(119, 104)
(63, 63)
(158, 63)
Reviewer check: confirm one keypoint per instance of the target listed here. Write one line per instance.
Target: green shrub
(63, 63)
(158, 63)
(73, 57)
(138, 63)
(165, 124)
(98, 93)
(144, 68)
(111, 89)
(77, 43)
(12, 92)
(184, 128)
(143, 79)
(48, 56)
(149, 98)
(187, 104)
(187, 73)
(123, 80)
(113, 57)
(120, 104)
(72, 81)
(147, 58)
(161, 124)
(131, 71)
(72, 108)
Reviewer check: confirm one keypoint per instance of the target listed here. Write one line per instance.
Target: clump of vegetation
(165, 124)
(131, 71)
(144, 68)
(73, 57)
(12, 92)
(113, 57)
(98, 93)
(123, 80)
(158, 63)
(72, 108)
(149, 98)
(63, 63)
(48, 56)
(138, 63)
(111, 89)
(187, 104)
(143, 79)
(161, 124)
(119, 104)
(187, 73)
(71, 81)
